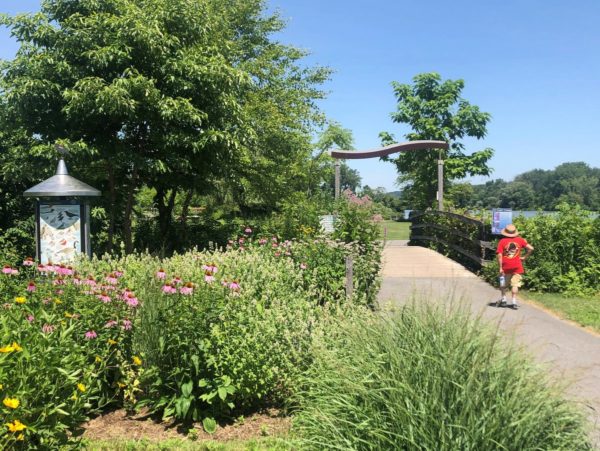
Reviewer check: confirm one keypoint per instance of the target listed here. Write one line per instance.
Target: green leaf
(210, 425)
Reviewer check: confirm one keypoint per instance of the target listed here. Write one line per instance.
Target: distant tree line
(574, 183)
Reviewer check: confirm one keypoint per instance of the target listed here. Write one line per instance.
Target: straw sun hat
(510, 231)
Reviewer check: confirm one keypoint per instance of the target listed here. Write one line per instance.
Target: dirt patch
(119, 425)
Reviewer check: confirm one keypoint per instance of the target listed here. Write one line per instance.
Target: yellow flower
(12, 403)
(20, 437)
(112, 342)
(15, 426)
(20, 300)
(1, 386)
(137, 360)
(121, 384)
(7, 348)
(68, 315)
(74, 397)
(57, 301)
(16, 347)
(98, 359)
(81, 387)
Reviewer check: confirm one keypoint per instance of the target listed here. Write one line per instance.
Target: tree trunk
(184, 215)
(165, 210)
(112, 207)
(127, 214)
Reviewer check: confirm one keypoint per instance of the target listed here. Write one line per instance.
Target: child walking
(510, 262)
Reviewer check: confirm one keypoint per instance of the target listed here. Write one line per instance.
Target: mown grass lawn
(584, 311)
(266, 444)
(395, 230)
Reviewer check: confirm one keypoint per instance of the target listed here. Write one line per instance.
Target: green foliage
(427, 378)
(435, 110)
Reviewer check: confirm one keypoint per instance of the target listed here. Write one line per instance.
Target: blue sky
(534, 65)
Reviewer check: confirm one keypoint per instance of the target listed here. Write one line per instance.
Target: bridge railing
(461, 238)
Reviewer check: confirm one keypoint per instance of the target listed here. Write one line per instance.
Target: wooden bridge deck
(573, 354)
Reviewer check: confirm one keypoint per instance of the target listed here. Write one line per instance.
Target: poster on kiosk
(501, 217)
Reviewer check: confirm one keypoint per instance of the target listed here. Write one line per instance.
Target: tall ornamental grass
(426, 378)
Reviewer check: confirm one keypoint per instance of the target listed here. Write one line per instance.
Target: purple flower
(211, 267)
(90, 335)
(48, 328)
(161, 274)
(90, 281)
(209, 278)
(111, 323)
(42, 268)
(262, 241)
(169, 289)
(31, 287)
(14, 272)
(30, 318)
(104, 297)
(118, 274)
(176, 280)
(131, 300)
(126, 324)
(111, 279)
(303, 266)
(248, 230)
(28, 262)
(187, 289)
(234, 286)
(6, 270)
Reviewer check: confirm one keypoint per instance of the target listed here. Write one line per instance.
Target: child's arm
(528, 251)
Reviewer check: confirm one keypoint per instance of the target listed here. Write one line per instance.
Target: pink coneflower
(176, 280)
(7, 306)
(169, 289)
(211, 267)
(30, 318)
(118, 274)
(31, 286)
(42, 268)
(127, 324)
(48, 328)
(111, 323)
(274, 239)
(59, 292)
(62, 270)
(28, 262)
(14, 272)
(274, 245)
(288, 253)
(131, 300)
(208, 277)
(224, 282)
(90, 335)
(262, 241)
(161, 274)
(90, 281)
(187, 289)
(50, 267)
(277, 254)
(104, 297)
(111, 279)
(248, 230)
(108, 287)
(303, 266)
(46, 301)
(59, 281)
(77, 280)
(234, 286)
(241, 240)
(6, 269)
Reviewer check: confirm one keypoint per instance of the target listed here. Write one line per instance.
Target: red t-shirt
(510, 248)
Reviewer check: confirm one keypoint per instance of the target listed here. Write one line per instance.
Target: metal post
(337, 179)
(440, 194)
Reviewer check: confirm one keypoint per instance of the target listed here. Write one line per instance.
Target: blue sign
(501, 217)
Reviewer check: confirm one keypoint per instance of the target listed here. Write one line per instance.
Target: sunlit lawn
(584, 311)
(395, 230)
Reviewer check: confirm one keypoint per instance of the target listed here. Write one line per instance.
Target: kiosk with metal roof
(62, 214)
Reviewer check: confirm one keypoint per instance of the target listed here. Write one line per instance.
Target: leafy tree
(435, 110)
(174, 95)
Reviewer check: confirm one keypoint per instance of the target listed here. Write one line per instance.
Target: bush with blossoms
(201, 334)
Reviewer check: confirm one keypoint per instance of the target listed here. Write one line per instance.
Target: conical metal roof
(62, 185)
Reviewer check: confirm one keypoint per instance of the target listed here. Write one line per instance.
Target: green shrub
(426, 378)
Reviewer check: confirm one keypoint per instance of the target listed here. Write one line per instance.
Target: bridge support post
(440, 193)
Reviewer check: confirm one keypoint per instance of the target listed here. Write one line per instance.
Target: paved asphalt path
(572, 353)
